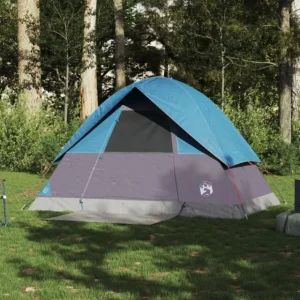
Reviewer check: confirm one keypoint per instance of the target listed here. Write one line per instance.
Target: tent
(155, 149)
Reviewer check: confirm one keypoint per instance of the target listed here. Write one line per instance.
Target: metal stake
(3, 197)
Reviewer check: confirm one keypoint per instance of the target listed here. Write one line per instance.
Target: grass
(194, 258)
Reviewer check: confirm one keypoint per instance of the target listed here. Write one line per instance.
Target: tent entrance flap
(141, 131)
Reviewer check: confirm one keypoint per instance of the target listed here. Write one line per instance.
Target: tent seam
(221, 159)
(98, 109)
(101, 152)
(201, 114)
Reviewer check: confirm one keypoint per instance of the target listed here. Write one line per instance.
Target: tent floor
(90, 216)
(145, 212)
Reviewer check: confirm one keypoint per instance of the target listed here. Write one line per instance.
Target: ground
(184, 258)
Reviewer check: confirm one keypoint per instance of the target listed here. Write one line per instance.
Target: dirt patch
(159, 275)
(195, 253)
(286, 254)
(30, 271)
(123, 269)
(199, 271)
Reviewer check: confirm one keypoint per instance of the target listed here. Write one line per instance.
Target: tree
(119, 44)
(89, 92)
(296, 66)
(143, 58)
(144, 51)
(61, 53)
(285, 73)
(160, 18)
(224, 51)
(29, 67)
(105, 49)
(8, 45)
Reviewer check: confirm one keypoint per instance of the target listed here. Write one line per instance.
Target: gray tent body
(121, 191)
(144, 169)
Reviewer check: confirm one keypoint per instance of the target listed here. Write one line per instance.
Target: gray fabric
(250, 182)
(109, 206)
(145, 188)
(145, 212)
(151, 176)
(143, 176)
(233, 211)
(288, 223)
(110, 210)
(193, 170)
(91, 216)
(55, 204)
(71, 175)
(260, 203)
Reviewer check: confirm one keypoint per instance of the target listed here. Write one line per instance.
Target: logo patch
(45, 190)
(206, 189)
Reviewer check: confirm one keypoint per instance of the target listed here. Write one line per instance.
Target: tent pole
(237, 193)
(3, 197)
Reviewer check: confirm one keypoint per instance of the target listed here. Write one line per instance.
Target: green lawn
(184, 258)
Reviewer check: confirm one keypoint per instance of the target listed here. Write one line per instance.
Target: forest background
(60, 59)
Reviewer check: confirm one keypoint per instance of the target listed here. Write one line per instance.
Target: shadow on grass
(184, 258)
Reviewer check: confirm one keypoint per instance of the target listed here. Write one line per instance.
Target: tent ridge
(192, 98)
(192, 121)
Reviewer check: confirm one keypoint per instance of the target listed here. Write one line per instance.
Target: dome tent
(155, 149)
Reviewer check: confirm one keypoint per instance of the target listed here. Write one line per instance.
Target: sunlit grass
(184, 258)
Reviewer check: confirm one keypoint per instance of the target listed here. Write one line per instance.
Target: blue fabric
(94, 118)
(97, 139)
(191, 110)
(186, 148)
(46, 191)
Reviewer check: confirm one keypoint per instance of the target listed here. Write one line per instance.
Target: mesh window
(141, 131)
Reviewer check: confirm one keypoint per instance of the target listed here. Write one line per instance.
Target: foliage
(258, 125)
(8, 44)
(51, 143)
(282, 158)
(61, 50)
(29, 143)
(247, 41)
(196, 38)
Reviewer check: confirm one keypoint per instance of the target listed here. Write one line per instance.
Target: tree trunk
(120, 44)
(100, 88)
(66, 106)
(29, 67)
(223, 50)
(296, 68)
(223, 88)
(166, 14)
(166, 64)
(89, 92)
(285, 74)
